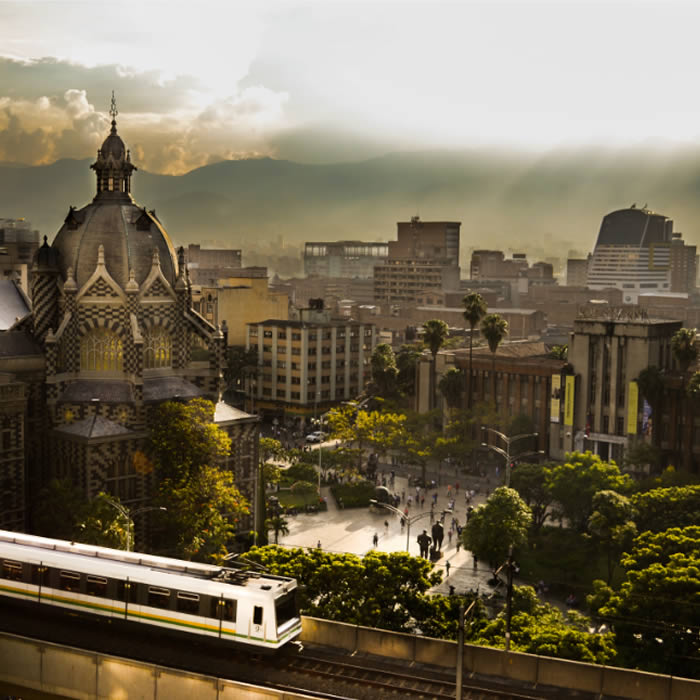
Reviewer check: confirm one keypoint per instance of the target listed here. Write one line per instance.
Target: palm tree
(474, 310)
(435, 334)
(494, 328)
(278, 524)
(685, 352)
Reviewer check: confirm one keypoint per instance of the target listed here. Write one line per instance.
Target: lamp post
(129, 516)
(409, 520)
(507, 453)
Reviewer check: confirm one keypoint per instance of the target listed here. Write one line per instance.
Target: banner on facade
(632, 408)
(646, 419)
(556, 398)
(569, 400)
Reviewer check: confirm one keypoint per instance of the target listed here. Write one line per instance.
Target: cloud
(171, 126)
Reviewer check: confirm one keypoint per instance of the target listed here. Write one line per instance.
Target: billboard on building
(646, 419)
(570, 388)
(555, 403)
(632, 408)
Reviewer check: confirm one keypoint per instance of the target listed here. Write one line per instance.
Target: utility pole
(460, 652)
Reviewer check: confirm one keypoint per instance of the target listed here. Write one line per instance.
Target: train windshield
(286, 608)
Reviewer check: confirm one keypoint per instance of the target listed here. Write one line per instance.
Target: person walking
(386, 525)
(447, 569)
(375, 539)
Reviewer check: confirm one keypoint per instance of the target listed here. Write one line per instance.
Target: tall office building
(425, 256)
(638, 252)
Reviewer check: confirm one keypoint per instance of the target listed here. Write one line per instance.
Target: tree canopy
(380, 590)
(655, 613)
(496, 525)
(384, 371)
(574, 484)
(663, 508)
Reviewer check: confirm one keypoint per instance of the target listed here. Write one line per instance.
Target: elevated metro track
(79, 659)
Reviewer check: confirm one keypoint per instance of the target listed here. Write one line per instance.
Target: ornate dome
(129, 233)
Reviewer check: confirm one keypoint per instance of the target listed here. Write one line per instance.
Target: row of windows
(125, 591)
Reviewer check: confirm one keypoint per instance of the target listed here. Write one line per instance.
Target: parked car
(316, 436)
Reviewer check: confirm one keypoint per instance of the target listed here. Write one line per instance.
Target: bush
(298, 472)
(356, 495)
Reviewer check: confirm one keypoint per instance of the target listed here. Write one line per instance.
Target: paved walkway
(352, 530)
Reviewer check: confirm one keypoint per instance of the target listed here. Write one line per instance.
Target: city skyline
(336, 81)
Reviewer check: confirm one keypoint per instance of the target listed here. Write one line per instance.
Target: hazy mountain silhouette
(541, 204)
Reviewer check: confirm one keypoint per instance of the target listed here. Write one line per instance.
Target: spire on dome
(113, 165)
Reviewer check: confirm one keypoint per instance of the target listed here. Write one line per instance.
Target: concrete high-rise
(424, 256)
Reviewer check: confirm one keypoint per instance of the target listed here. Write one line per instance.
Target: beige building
(18, 245)
(309, 365)
(425, 256)
(238, 301)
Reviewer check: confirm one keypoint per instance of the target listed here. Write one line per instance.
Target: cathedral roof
(128, 233)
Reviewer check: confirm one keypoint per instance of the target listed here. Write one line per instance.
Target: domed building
(113, 320)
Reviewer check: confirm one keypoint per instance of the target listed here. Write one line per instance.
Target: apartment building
(308, 365)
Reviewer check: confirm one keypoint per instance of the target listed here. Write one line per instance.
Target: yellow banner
(632, 409)
(569, 400)
(555, 399)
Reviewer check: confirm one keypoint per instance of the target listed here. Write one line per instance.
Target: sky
(330, 81)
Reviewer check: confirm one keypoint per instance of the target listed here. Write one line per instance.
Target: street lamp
(409, 520)
(507, 453)
(126, 513)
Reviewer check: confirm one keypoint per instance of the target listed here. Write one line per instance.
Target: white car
(316, 436)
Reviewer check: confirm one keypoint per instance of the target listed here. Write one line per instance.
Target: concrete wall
(73, 673)
(526, 669)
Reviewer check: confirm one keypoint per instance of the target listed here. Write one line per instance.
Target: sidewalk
(352, 530)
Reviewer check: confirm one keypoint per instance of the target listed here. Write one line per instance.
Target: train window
(12, 570)
(69, 581)
(286, 608)
(158, 597)
(96, 585)
(257, 615)
(188, 603)
(40, 575)
(224, 609)
(126, 591)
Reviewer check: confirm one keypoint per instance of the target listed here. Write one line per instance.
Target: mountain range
(547, 205)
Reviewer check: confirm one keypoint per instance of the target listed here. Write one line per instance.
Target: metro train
(247, 608)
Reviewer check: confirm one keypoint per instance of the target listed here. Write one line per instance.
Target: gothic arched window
(157, 349)
(101, 350)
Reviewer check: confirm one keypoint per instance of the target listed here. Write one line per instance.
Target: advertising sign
(569, 400)
(632, 408)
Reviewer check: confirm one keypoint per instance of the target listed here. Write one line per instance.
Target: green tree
(406, 361)
(384, 371)
(542, 629)
(184, 438)
(494, 328)
(664, 508)
(475, 309)
(63, 512)
(451, 386)
(495, 526)
(379, 590)
(655, 613)
(435, 333)
(202, 514)
(612, 525)
(531, 481)
(559, 352)
(685, 352)
(574, 484)
(278, 525)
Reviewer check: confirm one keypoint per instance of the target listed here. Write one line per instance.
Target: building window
(295, 395)
(101, 350)
(296, 336)
(281, 393)
(267, 334)
(157, 349)
(282, 335)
